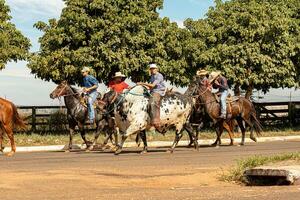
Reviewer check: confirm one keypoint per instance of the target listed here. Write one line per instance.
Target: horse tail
(256, 123)
(18, 122)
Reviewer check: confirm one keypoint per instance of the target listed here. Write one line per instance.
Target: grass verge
(235, 174)
(36, 139)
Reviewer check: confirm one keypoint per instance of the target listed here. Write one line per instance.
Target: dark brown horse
(9, 119)
(242, 110)
(78, 113)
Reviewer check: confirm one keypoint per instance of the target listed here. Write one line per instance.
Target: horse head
(109, 97)
(60, 90)
(194, 86)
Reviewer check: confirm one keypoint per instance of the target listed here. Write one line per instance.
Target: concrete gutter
(273, 175)
(155, 144)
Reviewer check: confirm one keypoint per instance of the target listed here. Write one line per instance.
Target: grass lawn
(35, 139)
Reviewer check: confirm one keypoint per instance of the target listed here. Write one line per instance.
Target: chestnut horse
(9, 119)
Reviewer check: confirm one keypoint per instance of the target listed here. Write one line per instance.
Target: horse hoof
(90, 148)
(144, 152)
(242, 144)
(170, 151)
(217, 146)
(10, 154)
(254, 139)
(118, 151)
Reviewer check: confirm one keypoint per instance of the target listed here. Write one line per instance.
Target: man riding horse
(157, 90)
(90, 84)
(118, 83)
(220, 82)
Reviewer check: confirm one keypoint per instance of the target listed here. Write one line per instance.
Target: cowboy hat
(86, 69)
(153, 66)
(119, 74)
(214, 75)
(202, 72)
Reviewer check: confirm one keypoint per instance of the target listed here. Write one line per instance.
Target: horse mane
(76, 91)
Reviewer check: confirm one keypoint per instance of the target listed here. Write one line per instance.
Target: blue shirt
(158, 80)
(89, 81)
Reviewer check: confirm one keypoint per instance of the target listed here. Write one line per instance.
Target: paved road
(186, 174)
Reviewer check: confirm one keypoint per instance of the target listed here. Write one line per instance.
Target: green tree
(109, 35)
(13, 45)
(253, 42)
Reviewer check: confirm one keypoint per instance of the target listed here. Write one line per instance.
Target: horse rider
(220, 82)
(118, 83)
(157, 90)
(90, 85)
(203, 75)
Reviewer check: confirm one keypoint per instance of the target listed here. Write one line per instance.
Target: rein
(121, 99)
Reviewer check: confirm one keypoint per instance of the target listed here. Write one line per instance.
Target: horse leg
(10, 135)
(120, 146)
(82, 133)
(193, 137)
(243, 130)
(218, 140)
(144, 139)
(1, 140)
(71, 134)
(97, 134)
(190, 137)
(178, 136)
(249, 123)
(229, 130)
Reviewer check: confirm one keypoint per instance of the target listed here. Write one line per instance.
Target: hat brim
(121, 76)
(202, 74)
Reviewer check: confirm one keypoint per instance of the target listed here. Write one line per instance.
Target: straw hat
(214, 75)
(86, 69)
(153, 66)
(202, 72)
(119, 74)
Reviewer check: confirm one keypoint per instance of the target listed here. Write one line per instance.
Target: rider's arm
(94, 82)
(149, 85)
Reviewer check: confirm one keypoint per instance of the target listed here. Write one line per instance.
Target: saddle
(229, 100)
(84, 100)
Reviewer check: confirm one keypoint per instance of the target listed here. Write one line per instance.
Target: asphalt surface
(185, 174)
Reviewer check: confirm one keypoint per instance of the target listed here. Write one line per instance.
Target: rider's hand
(85, 89)
(139, 83)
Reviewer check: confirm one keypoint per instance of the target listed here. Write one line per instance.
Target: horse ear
(64, 82)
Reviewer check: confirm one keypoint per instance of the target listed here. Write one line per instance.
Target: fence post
(33, 119)
(291, 114)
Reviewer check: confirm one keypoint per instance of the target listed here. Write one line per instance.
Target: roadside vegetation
(60, 138)
(235, 174)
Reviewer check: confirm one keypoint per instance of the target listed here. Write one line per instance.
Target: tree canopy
(109, 35)
(13, 45)
(255, 43)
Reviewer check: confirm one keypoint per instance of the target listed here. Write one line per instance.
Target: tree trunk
(237, 90)
(249, 91)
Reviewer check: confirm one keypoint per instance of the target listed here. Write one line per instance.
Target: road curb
(155, 144)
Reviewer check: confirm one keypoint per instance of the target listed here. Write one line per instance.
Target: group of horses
(129, 114)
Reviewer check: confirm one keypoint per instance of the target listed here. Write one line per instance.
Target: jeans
(154, 102)
(91, 99)
(224, 95)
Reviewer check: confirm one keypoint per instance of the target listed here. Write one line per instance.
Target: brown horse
(9, 119)
(242, 110)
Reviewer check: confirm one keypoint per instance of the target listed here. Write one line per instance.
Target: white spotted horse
(132, 116)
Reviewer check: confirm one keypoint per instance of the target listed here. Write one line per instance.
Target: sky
(20, 86)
